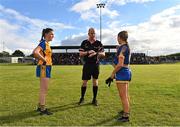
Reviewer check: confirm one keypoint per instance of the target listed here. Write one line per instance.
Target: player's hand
(92, 53)
(112, 76)
(108, 81)
(44, 62)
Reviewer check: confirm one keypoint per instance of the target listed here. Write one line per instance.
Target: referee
(90, 50)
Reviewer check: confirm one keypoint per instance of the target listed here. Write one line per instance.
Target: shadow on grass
(110, 122)
(24, 115)
(67, 106)
(104, 121)
(17, 117)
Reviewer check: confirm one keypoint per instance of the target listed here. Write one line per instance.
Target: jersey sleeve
(101, 48)
(124, 51)
(82, 47)
(42, 45)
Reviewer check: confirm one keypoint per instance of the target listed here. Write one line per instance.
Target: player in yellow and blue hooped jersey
(44, 71)
(43, 53)
(122, 73)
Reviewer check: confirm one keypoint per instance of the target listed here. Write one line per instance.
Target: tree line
(16, 53)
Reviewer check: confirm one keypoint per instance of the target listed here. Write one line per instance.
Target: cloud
(158, 36)
(74, 40)
(88, 10)
(85, 5)
(123, 2)
(21, 32)
(11, 39)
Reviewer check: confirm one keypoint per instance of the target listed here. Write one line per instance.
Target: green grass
(154, 93)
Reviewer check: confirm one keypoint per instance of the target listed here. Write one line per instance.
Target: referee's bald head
(91, 33)
(91, 30)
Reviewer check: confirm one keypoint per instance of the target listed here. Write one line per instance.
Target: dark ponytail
(42, 37)
(45, 31)
(124, 36)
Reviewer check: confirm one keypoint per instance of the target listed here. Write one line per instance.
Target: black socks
(83, 91)
(95, 90)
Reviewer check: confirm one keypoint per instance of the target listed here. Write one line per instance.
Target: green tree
(18, 53)
(4, 54)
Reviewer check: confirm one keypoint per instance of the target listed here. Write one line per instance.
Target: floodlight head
(101, 5)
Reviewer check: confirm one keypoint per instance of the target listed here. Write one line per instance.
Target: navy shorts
(124, 74)
(43, 71)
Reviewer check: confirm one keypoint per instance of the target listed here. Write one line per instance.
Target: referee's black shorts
(90, 70)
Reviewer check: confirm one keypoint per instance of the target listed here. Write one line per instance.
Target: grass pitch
(154, 95)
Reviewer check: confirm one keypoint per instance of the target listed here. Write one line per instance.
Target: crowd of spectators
(136, 58)
(66, 59)
(162, 59)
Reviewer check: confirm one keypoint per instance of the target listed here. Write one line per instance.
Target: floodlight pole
(101, 5)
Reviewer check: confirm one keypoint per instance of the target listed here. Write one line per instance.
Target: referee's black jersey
(87, 46)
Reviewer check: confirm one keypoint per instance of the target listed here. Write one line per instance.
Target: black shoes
(123, 119)
(44, 112)
(81, 101)
(94, 102)
(123, 116)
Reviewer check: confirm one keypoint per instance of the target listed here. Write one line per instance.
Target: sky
(153, 25)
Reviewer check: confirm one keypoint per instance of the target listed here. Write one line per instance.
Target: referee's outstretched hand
(108, 81)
